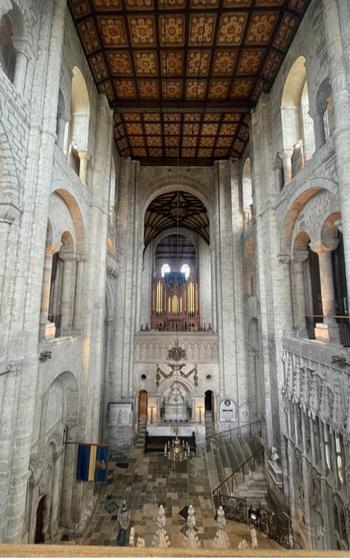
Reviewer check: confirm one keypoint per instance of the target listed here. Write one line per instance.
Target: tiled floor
(150, 480)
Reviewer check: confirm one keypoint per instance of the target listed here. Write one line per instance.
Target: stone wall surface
(43, 383)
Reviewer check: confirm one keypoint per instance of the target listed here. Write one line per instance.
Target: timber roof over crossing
(183, 75)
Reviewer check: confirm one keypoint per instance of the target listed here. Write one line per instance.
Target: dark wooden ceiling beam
(183, 106)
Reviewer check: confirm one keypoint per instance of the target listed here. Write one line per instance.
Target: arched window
(13, 56)
(297, 125)
(7, 49)
(186, 270)
(247, 192)
(307, 301)
(79, 125)
(165, 269)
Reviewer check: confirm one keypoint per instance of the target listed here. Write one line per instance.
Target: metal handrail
(238, 469)
(237, 429)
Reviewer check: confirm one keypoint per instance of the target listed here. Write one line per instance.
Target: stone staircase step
(228, 455)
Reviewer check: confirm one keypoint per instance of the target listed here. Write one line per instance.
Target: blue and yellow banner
(92, 464)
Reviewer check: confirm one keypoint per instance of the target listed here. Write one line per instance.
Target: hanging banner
(92, 463)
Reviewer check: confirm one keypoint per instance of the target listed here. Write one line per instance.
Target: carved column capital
(284, 258)
(319, 247)
(53, 247)
(300, 256)
(8, 212)
(84, 155)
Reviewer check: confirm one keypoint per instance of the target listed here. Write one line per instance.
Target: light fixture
(177, 450)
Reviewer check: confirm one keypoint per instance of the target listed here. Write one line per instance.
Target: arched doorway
(209, 403)
(143, 402)
(39, 527)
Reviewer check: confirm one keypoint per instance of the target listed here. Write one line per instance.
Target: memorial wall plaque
(120, 414)
(227, 411)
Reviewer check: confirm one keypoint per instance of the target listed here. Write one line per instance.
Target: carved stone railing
(321, 390)
(277, 527)
(153, 347)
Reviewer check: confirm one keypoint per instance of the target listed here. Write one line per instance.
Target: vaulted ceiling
(183, 75)
(176, 210)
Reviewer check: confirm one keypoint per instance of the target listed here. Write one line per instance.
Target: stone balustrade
(320, 389)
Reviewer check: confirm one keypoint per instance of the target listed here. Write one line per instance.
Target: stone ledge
(77, 551)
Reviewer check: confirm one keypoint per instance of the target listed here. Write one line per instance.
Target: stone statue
(124, 522)
(274, 455)
(132, 537)
(254, 538)
(243, 544)
(221, 539)
(191, 539)
(140, 543)
(160, 539)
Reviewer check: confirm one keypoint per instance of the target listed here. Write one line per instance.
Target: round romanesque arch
(300, 198)
(77, 218)
(176, 183)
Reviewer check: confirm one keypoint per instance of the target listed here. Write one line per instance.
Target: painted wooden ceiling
(183, 75)
(176, 210)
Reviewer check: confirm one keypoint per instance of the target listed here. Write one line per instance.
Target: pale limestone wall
(317, 191)
(102, 357)
(39, 399)
(221, 273)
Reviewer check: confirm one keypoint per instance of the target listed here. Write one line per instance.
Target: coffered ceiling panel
(183, 75)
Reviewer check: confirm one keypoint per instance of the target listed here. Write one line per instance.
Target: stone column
(320, 137)
(328, 329)
(31, 240)
(78, 300)
(341, 101)
(84, 157)
(286, 157)
(47, 329)
(226, 309)
(213, 288)
(285, 293)
(68, 478)
(19, 80)
(299, 258)
(8, 214)
(66, 308)
(277, 168)
(61, 131)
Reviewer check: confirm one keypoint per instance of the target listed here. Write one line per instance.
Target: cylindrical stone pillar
(327, 286)
(326, 279)
(299, 258)
(77, 314)
(66, 309)
(19, 79)
(286, 157)
(45, 299)
(320, 136)
(341, 103)
(84, 161)
(61, 130)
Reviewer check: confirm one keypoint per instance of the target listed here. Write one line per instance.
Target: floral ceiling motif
(183, 75)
